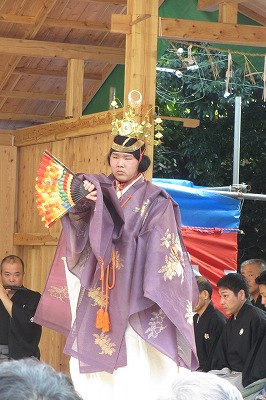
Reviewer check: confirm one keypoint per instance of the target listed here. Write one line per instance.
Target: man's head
(205, 294)
(261, 281)
(30, 379)
(12, 271)
(201, 386)
(233, 291)
(126, 158)
(251, 269)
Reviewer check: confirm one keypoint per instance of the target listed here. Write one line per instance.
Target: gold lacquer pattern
(95, 293)
(104, 342)
(59, 292)
(143, 210)
(119, 262)
(174, 261)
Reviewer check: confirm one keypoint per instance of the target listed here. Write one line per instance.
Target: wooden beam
(212, 5)
(27, 117)
(6, 138)
(15, 94)
(35, 239)
(35, 48)
(187, 122)
(74, 91)
(56, 23)
(121, 23)
(228, 13)
(252, 14)
(81, 25)
(72, 127)
(10, 64)
(115, 2)
(93, 76)
(212, 32)
(5, 131)
(17, 19)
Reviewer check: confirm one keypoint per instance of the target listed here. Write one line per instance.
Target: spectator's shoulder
(256, 311)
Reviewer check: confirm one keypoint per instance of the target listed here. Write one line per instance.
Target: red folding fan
(58, 189)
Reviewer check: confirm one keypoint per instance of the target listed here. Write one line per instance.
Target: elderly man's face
(251, 272)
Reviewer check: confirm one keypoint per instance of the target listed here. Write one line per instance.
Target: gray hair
(30, 379)
(202, 386)
(259, 261)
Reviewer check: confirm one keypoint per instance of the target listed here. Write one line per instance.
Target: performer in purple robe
(132, 324)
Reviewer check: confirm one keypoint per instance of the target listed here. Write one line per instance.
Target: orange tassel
(106, 322)
(102, 316)
(99, 315)
(99, 318)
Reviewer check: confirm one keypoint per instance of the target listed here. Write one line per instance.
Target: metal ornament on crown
(129, 126)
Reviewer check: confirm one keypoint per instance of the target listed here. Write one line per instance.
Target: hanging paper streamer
(58, 189)
(189, 59)
(228, 75)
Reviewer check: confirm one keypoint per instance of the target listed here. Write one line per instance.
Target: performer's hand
(5, 296)
(91, 189)
(3, 292)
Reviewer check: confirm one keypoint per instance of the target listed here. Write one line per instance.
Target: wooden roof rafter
(212, 5)
(37, 48)
(94, 76)
(240, 6)
(212, 32)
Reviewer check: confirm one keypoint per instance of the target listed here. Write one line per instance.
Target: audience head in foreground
(30, 379)
(202, 386)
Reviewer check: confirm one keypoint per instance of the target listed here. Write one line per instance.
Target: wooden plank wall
(35, 243)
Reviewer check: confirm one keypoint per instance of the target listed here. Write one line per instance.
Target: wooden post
(228, 13)
(8, 198)
(141, 55)
(74, 92)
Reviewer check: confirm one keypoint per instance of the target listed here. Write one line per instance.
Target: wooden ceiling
(39, 37)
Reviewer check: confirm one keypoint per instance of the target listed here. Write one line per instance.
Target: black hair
(12, 259)
(145, 161)
(204, 284)
(234, 282)
(261, 279)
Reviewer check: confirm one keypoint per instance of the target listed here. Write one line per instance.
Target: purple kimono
(154, 287)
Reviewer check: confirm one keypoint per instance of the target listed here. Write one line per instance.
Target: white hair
(202, 386)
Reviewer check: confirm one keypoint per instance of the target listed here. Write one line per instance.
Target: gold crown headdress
(130, 127)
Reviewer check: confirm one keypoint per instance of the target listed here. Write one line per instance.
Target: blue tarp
(201, 208)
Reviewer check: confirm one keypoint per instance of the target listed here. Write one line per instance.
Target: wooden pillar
(141, 55)
(8, 198)
(141, 28)
(228, 12)
(74, 91)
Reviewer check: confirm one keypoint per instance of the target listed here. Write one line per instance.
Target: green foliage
(205, 155)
